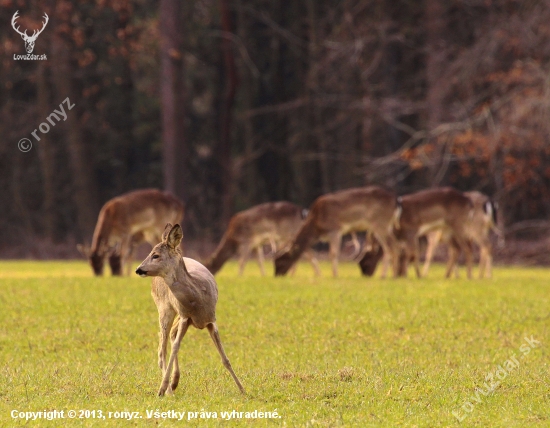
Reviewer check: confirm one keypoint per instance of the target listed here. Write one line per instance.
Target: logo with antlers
(29, 40)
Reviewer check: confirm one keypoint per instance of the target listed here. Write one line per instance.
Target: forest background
(231, 103)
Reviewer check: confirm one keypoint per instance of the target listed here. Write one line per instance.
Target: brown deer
(125, 222)
(478, 228)
(430, 210)
(335, 214)
(273, 223)
(184, 288)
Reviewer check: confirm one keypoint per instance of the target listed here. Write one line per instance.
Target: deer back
(358, 209)
(277, 221)
(435, 208)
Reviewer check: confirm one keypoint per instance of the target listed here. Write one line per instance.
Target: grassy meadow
(326, 352)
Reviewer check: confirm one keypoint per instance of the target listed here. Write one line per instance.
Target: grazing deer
(478, 228)
(430, 210)
(184, 288)
(125, 222)
(275, 223)
(333, 215)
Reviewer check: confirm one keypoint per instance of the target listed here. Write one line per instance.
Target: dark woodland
(231, 103)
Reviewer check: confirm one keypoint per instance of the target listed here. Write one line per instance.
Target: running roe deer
(184, 288)
(125, 222)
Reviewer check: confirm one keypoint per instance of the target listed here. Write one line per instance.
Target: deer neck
(179, 274)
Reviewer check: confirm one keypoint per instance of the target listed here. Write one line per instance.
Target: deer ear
(175, 236)
(167, 230)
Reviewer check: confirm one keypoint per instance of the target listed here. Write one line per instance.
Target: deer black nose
(141, 272)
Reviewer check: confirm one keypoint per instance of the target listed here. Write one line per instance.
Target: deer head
(29, 40)
(164, 257)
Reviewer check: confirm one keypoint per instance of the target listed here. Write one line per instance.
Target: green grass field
(351, 351)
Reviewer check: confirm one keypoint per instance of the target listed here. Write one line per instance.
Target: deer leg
(485, 259)
(175, 376)
(125, 254)
(454, 251)
(260, 252)
(466, 246)
(213, 330)
(489, 265)
(411, 251)
(389, 252)
(357, 248)
(402, 256)
(183, 325)
(369, 241)
(115, 263)
(433, 239)
(335, 240)
(245, 253)
(416, 255)
(273, 245)
(314, 263)
(176, 372)
(469, 258)
(387, 258)
(489, 262)
(366, 246)
(166, 320)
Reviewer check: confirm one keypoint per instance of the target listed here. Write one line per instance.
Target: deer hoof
(162, 390)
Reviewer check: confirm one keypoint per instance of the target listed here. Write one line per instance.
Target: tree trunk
(46, 153)
(315, 113)
(223, 151)
(84, 184)
(248, 90)
(174, 150)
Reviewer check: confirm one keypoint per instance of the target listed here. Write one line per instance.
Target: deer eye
(155, 256)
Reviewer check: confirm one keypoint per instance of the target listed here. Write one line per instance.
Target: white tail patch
(488, 208)
(396, 220)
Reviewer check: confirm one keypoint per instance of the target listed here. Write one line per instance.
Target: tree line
(230, 103)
